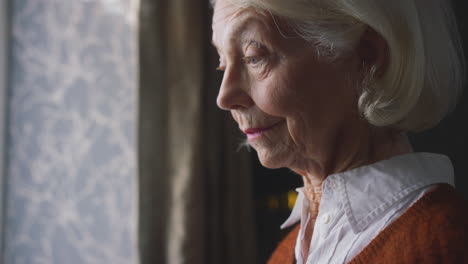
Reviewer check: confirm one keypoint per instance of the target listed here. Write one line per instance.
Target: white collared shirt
(357, 205)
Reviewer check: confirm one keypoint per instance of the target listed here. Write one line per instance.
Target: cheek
(312, 102)
(277, 96)
(310, 93)
(281, 99)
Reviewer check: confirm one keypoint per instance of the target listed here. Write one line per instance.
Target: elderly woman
(329, 89)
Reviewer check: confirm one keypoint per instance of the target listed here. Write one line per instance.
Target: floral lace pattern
(71, 173)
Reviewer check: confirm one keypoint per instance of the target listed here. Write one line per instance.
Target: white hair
(425, 73)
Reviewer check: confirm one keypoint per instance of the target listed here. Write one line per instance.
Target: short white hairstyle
(424, 76)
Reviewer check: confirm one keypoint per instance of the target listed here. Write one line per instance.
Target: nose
(234, 91)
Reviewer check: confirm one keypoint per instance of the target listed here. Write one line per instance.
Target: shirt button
(326, 219)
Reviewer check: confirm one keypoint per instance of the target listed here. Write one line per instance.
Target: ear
(373, 52)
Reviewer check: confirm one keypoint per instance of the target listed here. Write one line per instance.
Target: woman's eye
(254, 60)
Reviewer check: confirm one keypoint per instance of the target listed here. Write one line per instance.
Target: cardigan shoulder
(284, 252)
(433, 230)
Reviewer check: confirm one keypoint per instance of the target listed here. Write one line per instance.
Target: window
(3, 85)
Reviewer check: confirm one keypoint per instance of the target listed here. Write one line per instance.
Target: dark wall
(451, 136)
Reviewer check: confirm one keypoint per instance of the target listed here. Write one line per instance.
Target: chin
(270, 165)
(272, 160)
(275, 154)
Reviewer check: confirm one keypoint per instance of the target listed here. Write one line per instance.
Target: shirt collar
(296, 213)
(369, 191)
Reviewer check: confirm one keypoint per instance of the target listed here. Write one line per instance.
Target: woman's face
(292, 105)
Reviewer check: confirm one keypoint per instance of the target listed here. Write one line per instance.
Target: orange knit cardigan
(433, 230)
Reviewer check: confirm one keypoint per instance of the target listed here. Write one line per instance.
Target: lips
(258, 131)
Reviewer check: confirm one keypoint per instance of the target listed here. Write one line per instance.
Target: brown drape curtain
(195, 199)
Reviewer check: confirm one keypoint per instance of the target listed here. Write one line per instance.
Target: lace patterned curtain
(71, 177)
(3, 108)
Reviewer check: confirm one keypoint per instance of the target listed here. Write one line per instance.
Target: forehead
(230, 20)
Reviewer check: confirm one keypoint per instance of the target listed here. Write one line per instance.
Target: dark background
(449, 138)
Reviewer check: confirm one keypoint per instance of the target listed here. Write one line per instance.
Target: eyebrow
(241, 27)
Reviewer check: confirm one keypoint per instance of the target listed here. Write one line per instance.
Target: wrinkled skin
(274, 79)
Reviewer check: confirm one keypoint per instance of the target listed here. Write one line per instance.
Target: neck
(366, 147)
